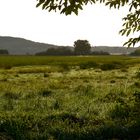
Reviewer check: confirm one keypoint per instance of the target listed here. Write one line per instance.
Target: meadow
(69, 98)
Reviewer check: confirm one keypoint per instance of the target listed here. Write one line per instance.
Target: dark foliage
(89, 64)
(99, 53)
(136, 53)
(64, 51)
(4, 52)
(82, 47)
(111, 66)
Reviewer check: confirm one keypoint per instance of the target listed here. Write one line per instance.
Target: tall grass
(69, 98)
(11, 61)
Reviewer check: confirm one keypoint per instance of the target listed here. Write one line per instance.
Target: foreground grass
(70, 98)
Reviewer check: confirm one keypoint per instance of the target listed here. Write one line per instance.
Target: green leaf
(46, 4)
(80, 7)
(134, 29)
(40, 2)
(75, 11)
(125, 43)
(63, 11)
(124, 31)
(128, 32)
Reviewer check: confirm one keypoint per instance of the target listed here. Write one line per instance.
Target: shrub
(107, 67)
(60, 51)
(87, 65)
(9, 105)
(11, 95)
(111, 66)
(99, 53)
(4, 52)
(64, 67)
(124, 70)
(46, 75)
(7, 67)
(136, 52)
(121, 111)
(137, 84)
(45, 93)
(13, 128)
(112, 81)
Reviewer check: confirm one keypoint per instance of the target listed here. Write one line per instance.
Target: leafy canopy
(131, 21)
(82, 47)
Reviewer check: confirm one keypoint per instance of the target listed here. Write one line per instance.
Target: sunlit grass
(55, 98)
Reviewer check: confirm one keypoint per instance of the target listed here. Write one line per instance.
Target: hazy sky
(96, 23)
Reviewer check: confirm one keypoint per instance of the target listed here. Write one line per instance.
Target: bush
(111, 66)
(64, 51)
(46, 75)
(64, 67)
(88, 65)
(11, 95)
(136, 53)
(99, 53)
(107, 67)
(45, 93)
(137, 84)
(120, 111)
(4, 52)
(7, 67)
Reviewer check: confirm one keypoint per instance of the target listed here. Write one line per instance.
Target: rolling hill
(114, 50)
(20, 46)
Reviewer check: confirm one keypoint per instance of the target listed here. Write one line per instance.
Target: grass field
(69, 98)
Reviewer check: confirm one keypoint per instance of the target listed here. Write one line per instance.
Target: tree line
(81, 47)
(4, 52)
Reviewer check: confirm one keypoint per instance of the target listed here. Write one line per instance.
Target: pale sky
(96, 23)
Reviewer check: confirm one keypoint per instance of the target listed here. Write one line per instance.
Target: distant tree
(4, 52)
(99, 53)
(82, 47)
(136, 52)
(57, 51)
(131, 21)
(51, 51)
